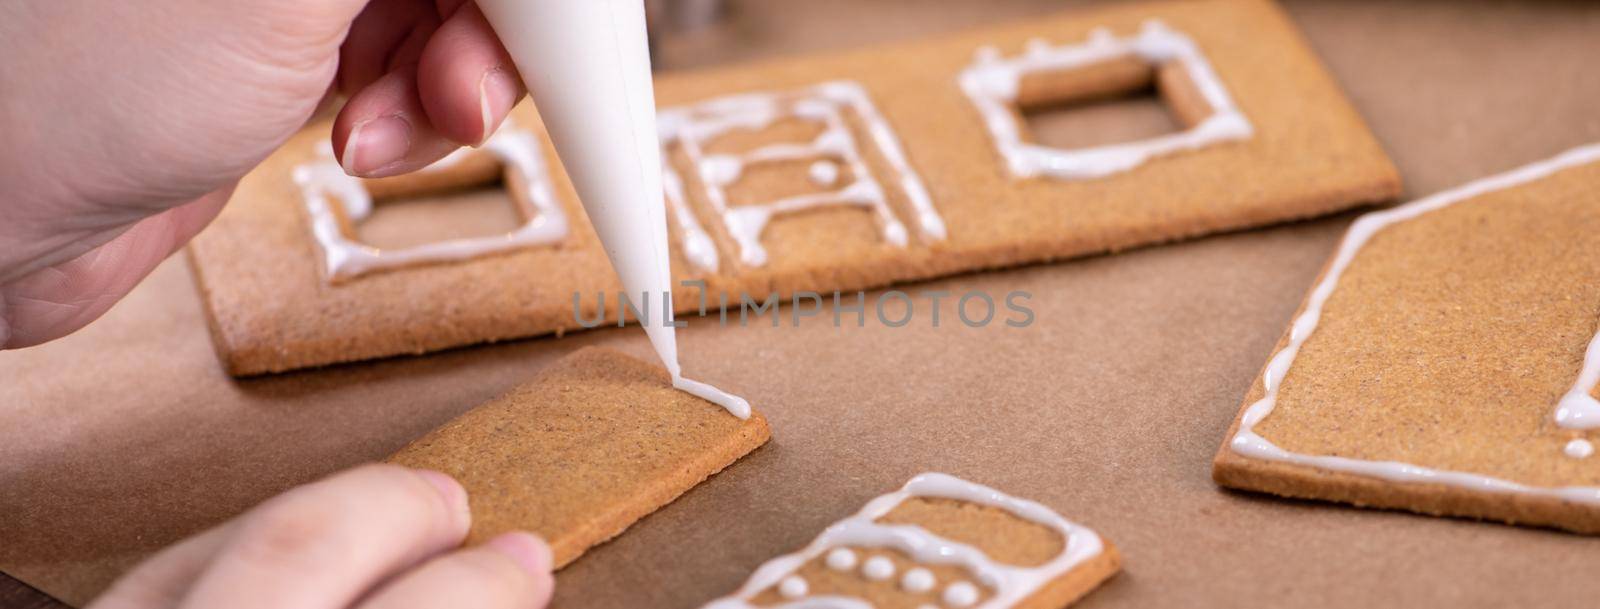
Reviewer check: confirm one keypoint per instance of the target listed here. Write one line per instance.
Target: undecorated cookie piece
(1446, 360)
(596, 442)
(938, 542)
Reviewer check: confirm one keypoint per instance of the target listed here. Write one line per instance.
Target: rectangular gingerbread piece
(1446, 360)
(840, 171)
(597, 442)
(940, 541)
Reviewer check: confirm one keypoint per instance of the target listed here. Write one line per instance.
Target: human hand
(124, 126)
(375, 537)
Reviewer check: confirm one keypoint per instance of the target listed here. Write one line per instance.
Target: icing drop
(1248, 443)
(841, 559)
(917, 580)
(693, 126)
(823, 173)
(992, 82)
(344, 257)
(736, 405)
(1577, 409)
(1579, 449)
(960, 594)
(793, 586)
(1010, 583)
(878, 568)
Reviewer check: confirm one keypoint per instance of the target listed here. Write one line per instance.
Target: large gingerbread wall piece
(1446, 360)
(843, 171)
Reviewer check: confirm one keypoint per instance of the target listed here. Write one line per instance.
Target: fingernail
(454, 495)
(497, 93)
(528, 550)
(376, 143)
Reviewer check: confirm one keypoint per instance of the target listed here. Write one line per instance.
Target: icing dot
(960, 594)
(824, 173)
(841, 559)
(793, 586)
(720, 169)
(1579, 449)
(917, 580)
(878, 568)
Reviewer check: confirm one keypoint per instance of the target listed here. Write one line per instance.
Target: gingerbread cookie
(597, 442)
(843, 171)
(940, 541)
(1446, 361)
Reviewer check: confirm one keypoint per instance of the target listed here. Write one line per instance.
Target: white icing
(960, 594)
(732, 403)
(606, 134)
(1248, 443)
(1577, 409)
(1579, 448)
(841, 559)
(698, 248)
(992, 82)
(878, 568)
(323, 181)
(823, 173)
(793, 586)
(1009, 583)
(824, 602)
(692, 127)
(917, 580)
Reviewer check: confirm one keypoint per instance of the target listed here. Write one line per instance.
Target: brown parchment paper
(127, 436)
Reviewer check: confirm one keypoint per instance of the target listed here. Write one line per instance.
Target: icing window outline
(345, 257)
(692, 126)
(1008, 584)
(992, 83)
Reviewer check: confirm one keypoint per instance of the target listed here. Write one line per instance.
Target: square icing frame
(992, 83)
(345, 257)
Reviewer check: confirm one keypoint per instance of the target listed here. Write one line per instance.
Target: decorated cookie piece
(597, 442)
(1446, 360)
(334, 201)
(835, 172)
(939, 542)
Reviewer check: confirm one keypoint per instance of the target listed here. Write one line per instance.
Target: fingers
(383, 130)
(323, 545)
(511, 571)
(462, 86)
(162, 580)
(54, 301)
(379, 38)
(465, 78)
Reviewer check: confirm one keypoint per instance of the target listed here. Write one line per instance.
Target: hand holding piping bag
(117, 153)
(126, 127)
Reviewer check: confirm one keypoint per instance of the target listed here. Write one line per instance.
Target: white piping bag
(587, 66)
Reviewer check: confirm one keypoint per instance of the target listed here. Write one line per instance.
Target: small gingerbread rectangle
(596, 442)
(939, 541)
(1445, 362)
